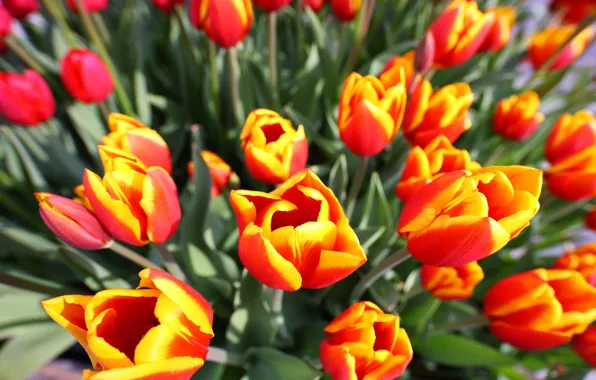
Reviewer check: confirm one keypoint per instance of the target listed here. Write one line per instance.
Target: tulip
(161, 330)
(296, 236)
(135, 204)
(451, 283)
(582, 260)
(226, 22)
(219, 170)
(369, 114)
(5, 26)
(517, 117)
(546, 43)
(541, 308)
(591, 219)
(570, 135)
(425, 53)
(20, 9)
(363, 343)
(139, 140)
(90, 5)
(85, 76)
(273, 150)
(271, 5)
(459, 32)
(574, 178)
(72, 222)
(584, 345)
(81, 198)
(462, 217)
(26, 99)
(167, 6)
(424, 165)
(500, 31)
(315, 5)
(345, 10)
(392, 71)
(573, 11)
(444, 112)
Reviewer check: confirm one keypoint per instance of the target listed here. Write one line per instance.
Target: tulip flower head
(370, 115)
(582, 260)
(462, 217)
(591, 219)
(161, 330)
(135, 204)
(570, 135)
(444, 112)
(273, 149)
(5, 26)
(226, 22)
(167, 6)
(90, 5)
(363, 343)
(135, 138)
(85, 76)
(391, 74)
(573, 11)
(345, 10)
(219, 170)
(500, 32)
(26, 99)
(424, 165)
(584, 345)
(20, 9)
(315, 5)
(548, 41)
(296, 236)
(271, 5)
(517, 117)
(459, 32)
(541, 308)
(451, 283)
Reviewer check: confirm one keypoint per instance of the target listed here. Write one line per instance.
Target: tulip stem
(103, 107)
(235, 92)
(362, 31)
(169, 262)
(33, 286)
(131, 255)
(101, 27)
(213, 74)
(299, 29)
(355, 187)
(179, 12)
(377, 272)
(57, 13)
(562, 212)
(272, 38)
(474, 321)
(219, 355)
(105, 56)
(23, 54)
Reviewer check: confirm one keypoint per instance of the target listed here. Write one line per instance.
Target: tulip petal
(160, 203)
(349, 316)
(368, 130)
(389, 366)
(107, 354)
(522, 178)
(164, 342)
(527, 339)
(248, 203)
(338, 362)
(529, 286)
(264, 166)
(180, 368)
(149, 147)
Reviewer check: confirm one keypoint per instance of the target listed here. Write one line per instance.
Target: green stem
(362, 31)
(562, 212)
(355, 187)
(377, 272)
(169, 262)
(474, 321)
(105, 111)
(105, 56)
(235, 91)
(299, 29)
(101, 27)
(131, 255)
(272, 38)
(213, 74)
(277, 297)
(22, 283)
(55, 9)
(497, 153)
(23, 54)
(179, 12)
(221, 356)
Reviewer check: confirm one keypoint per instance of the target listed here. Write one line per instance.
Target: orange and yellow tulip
(548, 41)
(459, 32)
(370, 115)
(139, 140)
(134, 203)
(345, 10)
(574, 178)
(582, 260)
(462, 217)
(444, 112)
(500, 31)
(570, 135)
(225, 22)
(296, 236)
(219, 170)
(591, 219)
(584, 345)
(541, 308)
(72, 222)
(363, 343)
(273, 150)
(424, 165)
(517, 117)
(391, 74)
(161, 330)
(451, 283)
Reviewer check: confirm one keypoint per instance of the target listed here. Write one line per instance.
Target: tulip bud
(451, 283)
(345, 10)
(167, 6)
(85, 76)
(90, 5)
(273, 149)
(369, 114)
(425, 53)
(582, 260)
(221, 173)
(5, 26)
(134, 137)
(20, 9)
(271, 5)
(584, 345)
(72, 222)
(26, 99)
(315, 5)
(546, 43)
(392, 71)
(500, 32)
(517, 117)
(226, 22)
(591, 219)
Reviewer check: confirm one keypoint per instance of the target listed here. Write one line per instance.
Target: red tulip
(85, 76)
(315, 5)
(591, 219)
(167, 6)
(26, 99)
(548, 41)
(584, 345)
(345, 10)
(90, 5)
(5, 26)
(226, 22)
(271, 5)
(20, 9)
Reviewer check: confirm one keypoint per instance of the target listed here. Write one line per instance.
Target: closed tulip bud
(462, 217)
(134, 137)
(541, 308)
(134, 203)
(167, 6)
(451, 283)
(363, 343)
(5, 26)
(424, 165)
(369, 114)
(584, 345)
(345, 10)
(574, 178)
(573, 11)
(546, 43)
(459, 32)
(296, 236)
(425, 53)
(591, 219)
(273, 150)
(517, 117)
(315, 5)
(90, 5)
(431, 114)
(391, 74)
(72, 222)
(161, 330)
(570, 135)
(26, 99)
(582, 260)
(85, 76)
(220, 171)
(271, 5)
(500, 32)
(20, 9)
(226, 22)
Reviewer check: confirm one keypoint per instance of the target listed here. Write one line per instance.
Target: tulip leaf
(419, 310)
(338, 178)
(460, 351)
(88, 125)
(271, 364)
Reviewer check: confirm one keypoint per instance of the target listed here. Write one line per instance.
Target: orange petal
(180, 368)
(247, 204)
(149, 147)
(516, 292)
(264, 166)
(528, 339)
(160, 203)
(338, 362)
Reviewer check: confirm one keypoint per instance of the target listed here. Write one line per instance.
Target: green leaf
(338, 178)
(94, 269)
(419, 310)
(271, 364)
(88, 125)
(369, 235)
(376, 210)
